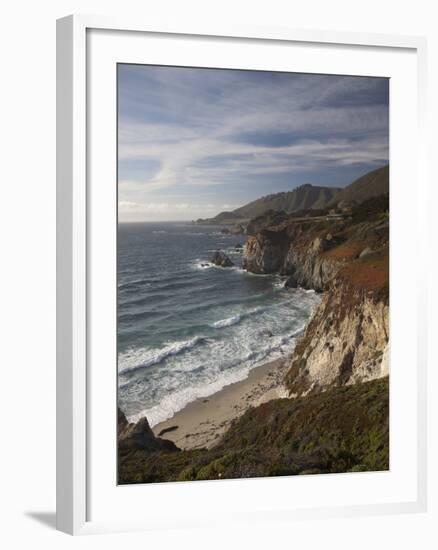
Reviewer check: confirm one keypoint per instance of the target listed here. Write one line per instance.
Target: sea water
(187, 328)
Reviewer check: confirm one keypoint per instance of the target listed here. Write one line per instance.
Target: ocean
(187, 329)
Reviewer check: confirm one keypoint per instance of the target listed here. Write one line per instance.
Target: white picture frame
(75, 219)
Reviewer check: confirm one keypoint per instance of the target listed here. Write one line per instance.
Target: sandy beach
(203, 422)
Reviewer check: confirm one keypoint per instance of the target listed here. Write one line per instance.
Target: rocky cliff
(295, 250)
(347, 339)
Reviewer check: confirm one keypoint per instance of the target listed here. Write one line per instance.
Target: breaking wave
(143, 358)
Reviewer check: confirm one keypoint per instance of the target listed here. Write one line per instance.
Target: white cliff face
(345, 343)
(385, 364)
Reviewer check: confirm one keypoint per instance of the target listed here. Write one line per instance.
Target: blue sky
(195, 142)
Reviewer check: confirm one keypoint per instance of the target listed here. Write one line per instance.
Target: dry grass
(347, 251)
(370, 273)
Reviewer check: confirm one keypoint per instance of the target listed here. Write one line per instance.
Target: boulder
(291, 282)
(139, 435)
(221, 259)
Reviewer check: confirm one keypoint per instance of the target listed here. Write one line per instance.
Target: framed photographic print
(240, 329)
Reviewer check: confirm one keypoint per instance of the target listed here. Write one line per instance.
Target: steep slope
(347, 340)
(345, 429)
(370, 185)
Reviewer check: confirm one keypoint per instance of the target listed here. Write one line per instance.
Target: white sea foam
(219, 234)
(227, 322)
(194, 368)
(214, 379)
(202, 264)
(206, 264)
(176, 401)
(278, 282)
(133, 360)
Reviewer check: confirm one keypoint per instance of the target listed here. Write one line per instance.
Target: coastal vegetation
(342, 430)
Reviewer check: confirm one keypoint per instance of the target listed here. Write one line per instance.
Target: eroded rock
(221, 259)
(139, 435)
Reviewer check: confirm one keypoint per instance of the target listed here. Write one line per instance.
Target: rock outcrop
(139, 436)
(221, 259)
(312, 252)
(264, 253)
(295, 250)
(346, 341)
(308, 266)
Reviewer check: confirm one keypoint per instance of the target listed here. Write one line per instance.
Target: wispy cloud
(186, 135)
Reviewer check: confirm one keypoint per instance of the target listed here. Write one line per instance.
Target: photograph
(252, 274)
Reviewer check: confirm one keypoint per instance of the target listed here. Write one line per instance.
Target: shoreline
(201, 423)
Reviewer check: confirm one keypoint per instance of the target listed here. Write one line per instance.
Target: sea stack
(221, 259)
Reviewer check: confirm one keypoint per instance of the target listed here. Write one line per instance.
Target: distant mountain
(370, 185)
(309, 197)
(305, 197)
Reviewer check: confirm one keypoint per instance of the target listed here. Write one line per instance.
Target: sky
(195, 142)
